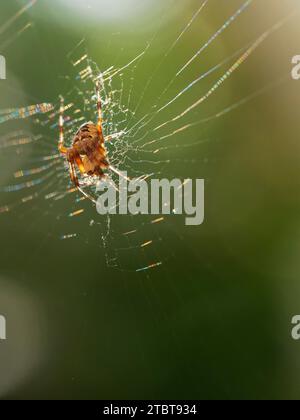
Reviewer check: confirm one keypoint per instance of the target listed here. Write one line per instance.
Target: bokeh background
(214, 322)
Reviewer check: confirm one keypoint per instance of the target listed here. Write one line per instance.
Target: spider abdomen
(90, 147)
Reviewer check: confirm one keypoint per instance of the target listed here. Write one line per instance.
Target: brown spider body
(88, 151)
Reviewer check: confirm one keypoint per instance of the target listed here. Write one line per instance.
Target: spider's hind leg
(75, 180)
(99, 112)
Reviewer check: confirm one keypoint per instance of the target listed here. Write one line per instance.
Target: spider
(88, 150)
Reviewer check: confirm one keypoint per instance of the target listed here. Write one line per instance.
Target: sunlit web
(142, 144)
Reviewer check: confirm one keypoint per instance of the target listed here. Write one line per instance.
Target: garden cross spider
(88, 150)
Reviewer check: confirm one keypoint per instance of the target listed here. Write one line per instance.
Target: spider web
(144, 133)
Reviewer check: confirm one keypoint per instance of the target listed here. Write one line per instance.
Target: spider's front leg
(61, 146)
(99, 111)
(73, 174)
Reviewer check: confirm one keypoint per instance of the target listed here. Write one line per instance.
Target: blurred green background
(215, 321)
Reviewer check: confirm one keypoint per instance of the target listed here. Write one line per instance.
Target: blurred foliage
(214, 321)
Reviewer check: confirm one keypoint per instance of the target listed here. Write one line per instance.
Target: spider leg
(99, 110)
(103, 158)
(80, 164)
(86, 195)
(74, 179)
(120, 174)
(61, 146)
(73, 175)
(108, 138)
